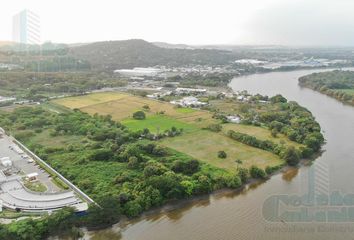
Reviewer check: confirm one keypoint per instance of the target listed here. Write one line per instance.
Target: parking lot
(14, 195)
(24, 164)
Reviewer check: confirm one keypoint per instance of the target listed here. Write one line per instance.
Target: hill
(113, 55)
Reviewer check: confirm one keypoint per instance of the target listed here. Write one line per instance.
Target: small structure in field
(233, 119)
(189, 102)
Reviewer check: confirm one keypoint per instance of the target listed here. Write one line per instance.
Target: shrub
(139, 115)
(214, 127)
(291, 156)
(256, 172)
(222, 154)
(243, 174)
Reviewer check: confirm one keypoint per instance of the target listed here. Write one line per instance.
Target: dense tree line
(35, 86)
(336, 84)
(290, 119)
(197, 79)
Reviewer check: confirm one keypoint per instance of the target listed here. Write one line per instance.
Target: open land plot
(260, 133)
(45, 139)
(204, 145)
(200, 144)
(87, 100)
(121, 106)
(158, 123)
(232, 107)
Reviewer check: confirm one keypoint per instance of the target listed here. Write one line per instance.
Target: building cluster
(6, 99)
(140, 72)
(9, 66)
(189, 101)
(164, 72)
(285, 63)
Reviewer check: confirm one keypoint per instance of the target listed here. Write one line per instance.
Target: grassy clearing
(231, 107)
(259, 132)
(54, 107)
(121, 106)
(204, 145)
(45, 139)
(87, 100)
(35, 186)
(186, 110)
(158, 123)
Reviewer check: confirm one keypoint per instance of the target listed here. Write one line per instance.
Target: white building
(233, 119)
(26, 28)
(189, 102)
(190, 90)
(139, 72)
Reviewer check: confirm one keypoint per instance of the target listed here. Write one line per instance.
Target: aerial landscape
(173, 125)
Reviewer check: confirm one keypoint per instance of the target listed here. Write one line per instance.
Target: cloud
(312, 22)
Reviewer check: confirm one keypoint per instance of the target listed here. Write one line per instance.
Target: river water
(258, 213)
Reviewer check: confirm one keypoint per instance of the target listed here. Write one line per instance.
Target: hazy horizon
(300, 23)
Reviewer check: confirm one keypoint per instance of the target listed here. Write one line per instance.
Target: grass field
(35, 186)
(88, 100)
(259, 132)
(158, 123)
(121, 106)
(204, 145)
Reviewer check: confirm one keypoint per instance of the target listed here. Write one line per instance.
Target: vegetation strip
(336, 84)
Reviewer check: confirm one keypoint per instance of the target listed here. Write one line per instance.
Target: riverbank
(335, 84)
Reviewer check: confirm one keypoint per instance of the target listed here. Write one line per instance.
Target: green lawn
(158, 123)
(186, 110)
(204, 145)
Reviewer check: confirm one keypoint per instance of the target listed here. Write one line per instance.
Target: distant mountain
(113, 55)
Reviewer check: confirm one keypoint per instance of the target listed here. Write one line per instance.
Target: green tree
(222, 154)
(139, 115)
(257, 172)
(291, 156)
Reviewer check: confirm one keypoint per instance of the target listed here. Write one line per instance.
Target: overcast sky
(285, 22)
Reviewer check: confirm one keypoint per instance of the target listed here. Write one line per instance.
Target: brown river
(313, 202)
